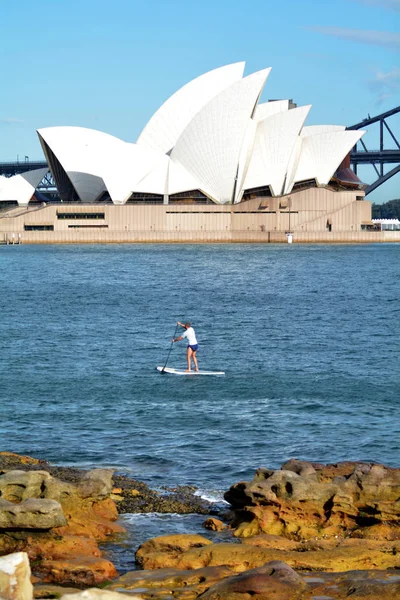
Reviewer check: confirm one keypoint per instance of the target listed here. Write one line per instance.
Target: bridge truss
(377, 158)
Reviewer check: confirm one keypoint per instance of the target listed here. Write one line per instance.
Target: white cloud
(384, 85)
(377, 38)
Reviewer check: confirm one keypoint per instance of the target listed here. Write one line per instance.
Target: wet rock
(10, 460)
(15, 572)
(137, 497)
(31, 514)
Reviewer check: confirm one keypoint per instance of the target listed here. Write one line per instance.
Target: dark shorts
(194, 347)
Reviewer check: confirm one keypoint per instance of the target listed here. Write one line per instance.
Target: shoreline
(307, 516)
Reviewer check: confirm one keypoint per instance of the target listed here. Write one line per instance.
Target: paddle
(170, 348)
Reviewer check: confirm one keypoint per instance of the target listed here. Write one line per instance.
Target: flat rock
(31, 514)
(164, 551)
(81, 571)
(273, 580)
(190, 582)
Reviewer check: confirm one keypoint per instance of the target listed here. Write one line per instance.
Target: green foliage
(388, 210)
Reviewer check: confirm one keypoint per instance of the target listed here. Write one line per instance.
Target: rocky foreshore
(305, 531)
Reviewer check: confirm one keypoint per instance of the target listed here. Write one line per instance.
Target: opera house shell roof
(212, 139)
(20, 188)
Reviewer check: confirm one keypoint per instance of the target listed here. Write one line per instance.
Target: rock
(171, 582)
(62, 548)
(31, 514)
(17, 486)
(362, 585)
(9, 460)
(45, 591)
(273, 580)
(272, 541)
(304, 500)
(97, 483)
(15, 572)
(80, 571)
(345, 556)
(214, 524)
(164, 551)
(139, 498)
(57, 521)
(95, 594)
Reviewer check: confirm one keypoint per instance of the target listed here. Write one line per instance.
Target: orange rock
(165, 551)
(91, 519)
(62, 548)
(19, 459)
(304, 500)
(81, 571)
(214, 524)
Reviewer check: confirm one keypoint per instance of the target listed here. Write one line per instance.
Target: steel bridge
(376, 158)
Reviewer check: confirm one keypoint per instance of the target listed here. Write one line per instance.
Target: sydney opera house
(212, 164)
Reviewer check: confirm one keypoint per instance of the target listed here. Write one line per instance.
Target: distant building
(212, 164)
(210, 140)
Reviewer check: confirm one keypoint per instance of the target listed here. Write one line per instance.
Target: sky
(109, 65)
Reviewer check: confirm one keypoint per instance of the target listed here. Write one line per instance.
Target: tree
(388, 210)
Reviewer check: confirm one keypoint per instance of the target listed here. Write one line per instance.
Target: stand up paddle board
(183, 372)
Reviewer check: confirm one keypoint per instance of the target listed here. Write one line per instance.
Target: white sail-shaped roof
(96, 162)
(267, 109)
(275, 139)
(180, 180)
(88, 187)
(168, 123)
(292, 166)
(314, 129)
(212, 135)
(81, 149)
(20, 188)
(246, 153)
(124, 173)
(210, 146)
(156, 180)
(322, 153)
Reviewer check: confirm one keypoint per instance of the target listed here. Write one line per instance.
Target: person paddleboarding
(192, 345)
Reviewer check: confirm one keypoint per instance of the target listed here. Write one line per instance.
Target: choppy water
(308, 337)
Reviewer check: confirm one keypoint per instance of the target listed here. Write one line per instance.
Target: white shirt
(191, 336)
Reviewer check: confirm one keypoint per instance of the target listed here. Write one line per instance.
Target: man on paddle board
(192, 345)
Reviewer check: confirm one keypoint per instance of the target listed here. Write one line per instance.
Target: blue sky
(109, 65)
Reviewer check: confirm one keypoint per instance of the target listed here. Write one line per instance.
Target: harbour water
(308, 337)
